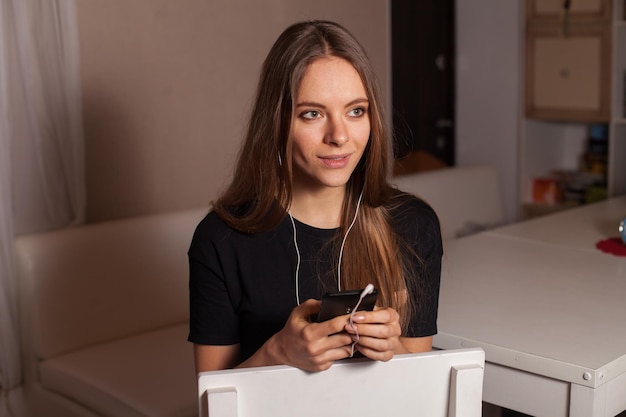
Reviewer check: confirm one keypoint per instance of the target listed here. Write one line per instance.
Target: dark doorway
(423, 84)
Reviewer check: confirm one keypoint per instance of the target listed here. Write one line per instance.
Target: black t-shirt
(243, 287)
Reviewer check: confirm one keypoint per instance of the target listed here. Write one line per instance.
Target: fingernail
(358, 318)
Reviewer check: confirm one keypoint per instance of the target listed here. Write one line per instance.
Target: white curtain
(41, 148)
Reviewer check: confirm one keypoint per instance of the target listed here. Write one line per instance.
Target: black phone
(343, 302)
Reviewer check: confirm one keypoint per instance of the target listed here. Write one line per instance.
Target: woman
(310, 211)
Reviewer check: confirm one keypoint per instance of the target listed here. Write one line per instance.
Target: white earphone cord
(368, 290)
(343, 242)
(295, 243)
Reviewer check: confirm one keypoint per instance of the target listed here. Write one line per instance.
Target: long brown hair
(259, 195)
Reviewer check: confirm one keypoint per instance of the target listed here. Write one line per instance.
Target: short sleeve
(419, 228)
(212, 310)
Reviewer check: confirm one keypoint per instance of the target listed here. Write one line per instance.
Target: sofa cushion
(150, 374)
(91, 284)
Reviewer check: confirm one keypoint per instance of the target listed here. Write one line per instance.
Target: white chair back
(434, 384)
(467, 199)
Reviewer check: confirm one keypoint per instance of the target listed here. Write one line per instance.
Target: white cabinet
(568, 76)
(580, 10)
(575, 75)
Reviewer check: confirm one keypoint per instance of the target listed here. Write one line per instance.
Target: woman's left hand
(377, 333)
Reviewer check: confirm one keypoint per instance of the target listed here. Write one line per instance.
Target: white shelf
(552, 145)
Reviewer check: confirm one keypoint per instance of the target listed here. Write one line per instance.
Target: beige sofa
(104, 307)
(467, 199)
(104, 313)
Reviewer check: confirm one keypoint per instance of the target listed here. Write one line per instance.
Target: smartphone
(343, 302)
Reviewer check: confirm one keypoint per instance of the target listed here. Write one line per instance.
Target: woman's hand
(304, 344)
(315, 346)
(378, 335)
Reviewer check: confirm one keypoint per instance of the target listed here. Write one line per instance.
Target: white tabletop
(580, 227)
(538, 296)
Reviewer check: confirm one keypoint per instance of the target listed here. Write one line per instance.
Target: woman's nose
(337, 133)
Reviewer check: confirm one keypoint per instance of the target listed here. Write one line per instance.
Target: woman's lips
(335, 161)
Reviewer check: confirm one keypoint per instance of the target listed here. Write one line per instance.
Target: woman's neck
(321, 209)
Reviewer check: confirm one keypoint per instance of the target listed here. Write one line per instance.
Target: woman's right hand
(304, 344)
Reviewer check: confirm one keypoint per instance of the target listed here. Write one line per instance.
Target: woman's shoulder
(207, 231)
(415, 220)
(406, 206)
(214, 235)
(214, 223)
(214, 227)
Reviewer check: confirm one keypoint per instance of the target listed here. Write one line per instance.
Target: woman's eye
(359, 111)
(311, 114)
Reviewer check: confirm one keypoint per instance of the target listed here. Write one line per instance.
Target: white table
(580, 227)
(548, 308)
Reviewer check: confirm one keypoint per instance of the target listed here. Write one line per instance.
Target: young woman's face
(331, 126)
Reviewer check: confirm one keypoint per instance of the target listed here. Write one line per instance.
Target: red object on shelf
(613, 246)
(545, 190)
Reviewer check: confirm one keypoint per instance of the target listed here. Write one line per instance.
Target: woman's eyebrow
(359, 100)
(310, 104)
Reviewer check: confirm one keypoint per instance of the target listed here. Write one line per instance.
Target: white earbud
(368, 290)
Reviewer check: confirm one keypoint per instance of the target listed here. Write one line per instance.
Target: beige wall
(167, 86)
